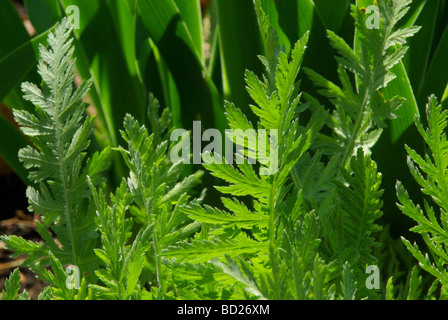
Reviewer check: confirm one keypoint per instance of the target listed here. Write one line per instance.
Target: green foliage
(431, 174)
(275, 238)
(12, 288)
(153, 193)
(60, 134)
(71, 190)
(349, 207)
(360, 207)
(244, 230)
(123, 263)
(360, 112)
(299, 219)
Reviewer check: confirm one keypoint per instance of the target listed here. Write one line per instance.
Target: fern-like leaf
(430, 173)
(360, 206)
(58, 166)
(360, 112)
(12, 286)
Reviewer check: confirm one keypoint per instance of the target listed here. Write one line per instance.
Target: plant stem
(62, 170)
(365, 101)
(158, 265)
(155, 241)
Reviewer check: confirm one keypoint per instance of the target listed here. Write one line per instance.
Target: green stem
(155, 243)
(67, 207)
(158, 266)
(348, 152)
(272, 213)
(365, 101)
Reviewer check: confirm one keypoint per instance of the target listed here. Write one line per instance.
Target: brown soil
(15, 220)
